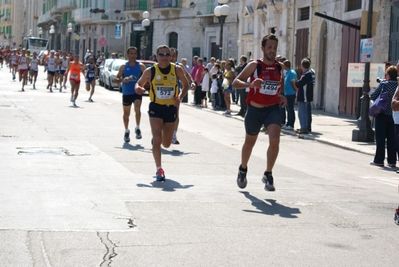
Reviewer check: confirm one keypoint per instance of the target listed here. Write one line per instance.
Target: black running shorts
(256, 117)
(167, 113)
(127, 100)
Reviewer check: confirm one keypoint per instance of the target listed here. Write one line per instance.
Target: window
(304, 13)
(173, 39)
(354, 5)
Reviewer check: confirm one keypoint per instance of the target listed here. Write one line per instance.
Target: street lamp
(69, 30)
(221, 11)
(52, 36)
(22, 39)
(40, 32)
(30, 33)
(145, 23)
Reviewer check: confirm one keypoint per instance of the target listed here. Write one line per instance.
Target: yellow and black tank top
(163, 86)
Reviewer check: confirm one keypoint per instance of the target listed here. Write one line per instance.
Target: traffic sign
(366, 50)
(102, 42)
(77, 37)
(356, 74)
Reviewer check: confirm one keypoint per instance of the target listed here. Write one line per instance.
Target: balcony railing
(166, 4)
(66, 5)
(44, 18)
(84, 14)
(136, 5)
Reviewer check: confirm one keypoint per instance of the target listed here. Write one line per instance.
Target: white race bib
(74, 76)
(269, 88)
(165, 92)
(91, 75)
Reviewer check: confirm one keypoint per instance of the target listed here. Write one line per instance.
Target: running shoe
(175, 141)
(60, 89)
(22, 90)
(268, 181)
(51, 90)
(242, 179)
(34, 87)
(138, 133)
(396, 217)
(127, 136)
(90, 100)
(71, 98)
(160, 175)
(74, 104)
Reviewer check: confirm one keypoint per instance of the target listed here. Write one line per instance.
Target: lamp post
(145, 23)
(221, 11)
(22, 39)
(40, 32)
(30, 33)
(364, 132)
(69, 30)
(52, 36)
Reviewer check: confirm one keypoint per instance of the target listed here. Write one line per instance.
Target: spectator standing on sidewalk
(264, 97)
(193, 73)
(198, 80)
(242, 93)
(395, 114)
(228, 77)
(309, 104)
(290, 91)
(305, 95)
(214, 90)
(384, 124)
(205, 87)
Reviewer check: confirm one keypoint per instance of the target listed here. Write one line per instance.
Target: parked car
(111, 72)
(102, 69)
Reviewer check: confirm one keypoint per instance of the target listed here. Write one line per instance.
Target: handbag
(380, 105)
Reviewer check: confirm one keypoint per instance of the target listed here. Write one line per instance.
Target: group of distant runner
(58, 66)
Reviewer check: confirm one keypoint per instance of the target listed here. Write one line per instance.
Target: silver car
(102, 69)
(111, 72)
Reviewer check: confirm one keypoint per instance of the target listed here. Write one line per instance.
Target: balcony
(88, 16)
(167, 7)
(66, 5)
(136, 7)
(44, 19)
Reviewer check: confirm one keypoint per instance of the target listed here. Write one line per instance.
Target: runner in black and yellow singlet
(165, 98)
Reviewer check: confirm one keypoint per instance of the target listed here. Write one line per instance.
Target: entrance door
(394, 36)
(214, 50)
(349, 97)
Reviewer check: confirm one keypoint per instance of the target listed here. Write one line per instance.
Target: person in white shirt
(214, 90)
(34, 68)
(205, 87)
(23, 66)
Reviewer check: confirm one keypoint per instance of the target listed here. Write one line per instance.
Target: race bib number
(91, 75)
(269, 88)
(74, 76)
(165, 92)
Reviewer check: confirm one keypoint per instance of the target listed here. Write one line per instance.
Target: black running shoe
(138, 134)
(127, 137)
(242, 179)
(396, 218)
(268, 181)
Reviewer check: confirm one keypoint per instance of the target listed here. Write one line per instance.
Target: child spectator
(214, 91)
(205, 87)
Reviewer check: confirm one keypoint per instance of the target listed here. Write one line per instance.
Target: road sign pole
(364, 132)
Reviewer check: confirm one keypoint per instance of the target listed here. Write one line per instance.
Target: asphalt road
(74, 194)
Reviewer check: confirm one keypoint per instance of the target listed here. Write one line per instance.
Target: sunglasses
(163, 54)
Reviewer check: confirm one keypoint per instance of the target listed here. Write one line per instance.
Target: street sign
(102, 42)
(356, 74)
(366, 50)
(77, 37)
(138, 27)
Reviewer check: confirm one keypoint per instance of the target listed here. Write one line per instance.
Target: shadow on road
(273, 208)
(131, 147)
(168, 185)
(175, 152)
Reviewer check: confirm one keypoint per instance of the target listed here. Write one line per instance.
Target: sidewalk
(326, 128)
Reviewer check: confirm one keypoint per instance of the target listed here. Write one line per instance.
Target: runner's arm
(139, 86)
(240, 82)
(183, 80)
(118, 79)
(395, 101)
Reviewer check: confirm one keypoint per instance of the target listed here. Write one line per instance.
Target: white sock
(160, 167)
(127, 130)
(137, 127)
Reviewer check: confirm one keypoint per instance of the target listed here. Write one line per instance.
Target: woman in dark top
(384, 125)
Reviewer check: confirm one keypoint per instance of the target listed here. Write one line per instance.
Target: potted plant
(101, 10)
(117, 11)
(104, 16)
(35, 16)
(95, 10)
